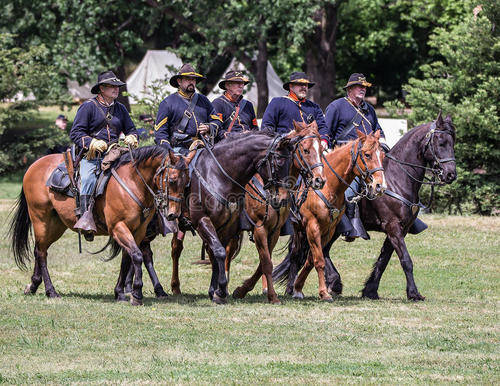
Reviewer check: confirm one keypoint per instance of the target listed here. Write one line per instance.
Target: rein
(436, 171)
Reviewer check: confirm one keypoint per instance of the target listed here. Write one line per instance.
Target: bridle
(306, 170)
(365, 175)
(161, 179)
(437, 168)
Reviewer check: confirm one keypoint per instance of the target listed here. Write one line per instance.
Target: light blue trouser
(89, 170)
(352, 190)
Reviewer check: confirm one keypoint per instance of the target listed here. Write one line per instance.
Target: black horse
(430, 144)
(216, 197)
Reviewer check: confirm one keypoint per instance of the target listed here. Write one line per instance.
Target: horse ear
(448, 118)
(439, 119)
(361, 135)
(296, 126)
(189, 157)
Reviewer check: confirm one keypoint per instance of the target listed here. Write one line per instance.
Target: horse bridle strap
(145, 211)
(305, 169)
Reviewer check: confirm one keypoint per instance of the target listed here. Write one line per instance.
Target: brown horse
(117, 213)
(321, 211)
(268, 220)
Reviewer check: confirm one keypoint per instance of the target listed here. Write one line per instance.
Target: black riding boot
(417, 227)
(352, 212)
(83, 224)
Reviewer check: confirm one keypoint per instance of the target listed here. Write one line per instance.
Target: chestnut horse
(268, 220)
(117, 213)
(322, 211)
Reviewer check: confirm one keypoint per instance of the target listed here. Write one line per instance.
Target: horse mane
(141, 154)
(232, 137)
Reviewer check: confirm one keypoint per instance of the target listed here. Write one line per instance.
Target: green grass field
(85, 337)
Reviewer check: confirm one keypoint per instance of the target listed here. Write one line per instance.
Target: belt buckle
(188, 114)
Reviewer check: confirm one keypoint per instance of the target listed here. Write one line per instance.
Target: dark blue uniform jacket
(282, 111)
(340, 114)
(246, 119)
(170, 114)
(89, 123)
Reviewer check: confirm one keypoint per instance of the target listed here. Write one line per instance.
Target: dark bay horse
(117, 213)
(323, 209)
(426, 148)
(218, 190)
(267, 220)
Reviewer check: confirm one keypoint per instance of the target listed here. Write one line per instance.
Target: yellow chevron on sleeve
(161, 123)
(213, 116)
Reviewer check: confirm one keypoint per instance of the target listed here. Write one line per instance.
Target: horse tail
(298, 249)
(19, 232)
(114, 250)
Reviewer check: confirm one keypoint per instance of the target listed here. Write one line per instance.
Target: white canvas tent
(274, 84)
(156, 65)
(78, 92)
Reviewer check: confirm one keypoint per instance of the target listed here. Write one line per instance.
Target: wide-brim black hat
(300, 78)
(233, 76)
(188, 71)
(357, 78)
(106, 77)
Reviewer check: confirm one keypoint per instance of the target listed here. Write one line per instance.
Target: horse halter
(271, 159)
(162, 197)
(437, 168)
(306, 170)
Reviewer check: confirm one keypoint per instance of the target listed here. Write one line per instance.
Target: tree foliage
(466, 84)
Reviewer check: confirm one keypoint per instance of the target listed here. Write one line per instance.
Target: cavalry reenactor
(343, 116)
(97, 125)
(237, 113)
(282, 111)
(186, 115)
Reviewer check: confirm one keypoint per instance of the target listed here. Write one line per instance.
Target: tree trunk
(320, 56)
(261, 77)
(120, 73)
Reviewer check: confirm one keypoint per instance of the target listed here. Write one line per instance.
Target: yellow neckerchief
(293, 97)
(360, 113)
(101, 100)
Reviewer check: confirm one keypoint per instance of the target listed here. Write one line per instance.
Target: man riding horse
(186, 115)
(343, 116)
(282, 111)
(98, 124)
(237, 113)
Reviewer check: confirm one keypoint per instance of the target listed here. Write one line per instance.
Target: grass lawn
(86, 337)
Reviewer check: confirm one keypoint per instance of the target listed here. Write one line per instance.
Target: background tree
(466, 84)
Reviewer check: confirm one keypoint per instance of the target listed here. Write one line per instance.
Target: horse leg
(232, 250)
(332, 276)
(209, 235)
(36, 279)
(370, 289)
(147, 255)
(125, 239)
(177, 245)
(301, 279)
(124, 278)
(314, 238)
(46, 233)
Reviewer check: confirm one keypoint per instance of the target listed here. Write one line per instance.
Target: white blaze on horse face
(384, 184)
(316, 147)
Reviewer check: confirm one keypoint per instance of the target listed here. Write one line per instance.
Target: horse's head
(274, 167)
(439, 149)
(367, 158)
(171, 180)
(307, 154)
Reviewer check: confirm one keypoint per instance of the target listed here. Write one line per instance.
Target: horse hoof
(370, 295)
(298, 295)
(264, 291)
(327, 299)
(275, 301)
(135, 301)
(161, 294)
(27, 290)
(53, 295)
(121, 298)
(416, 298)
(239, 293)
(218, 300)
